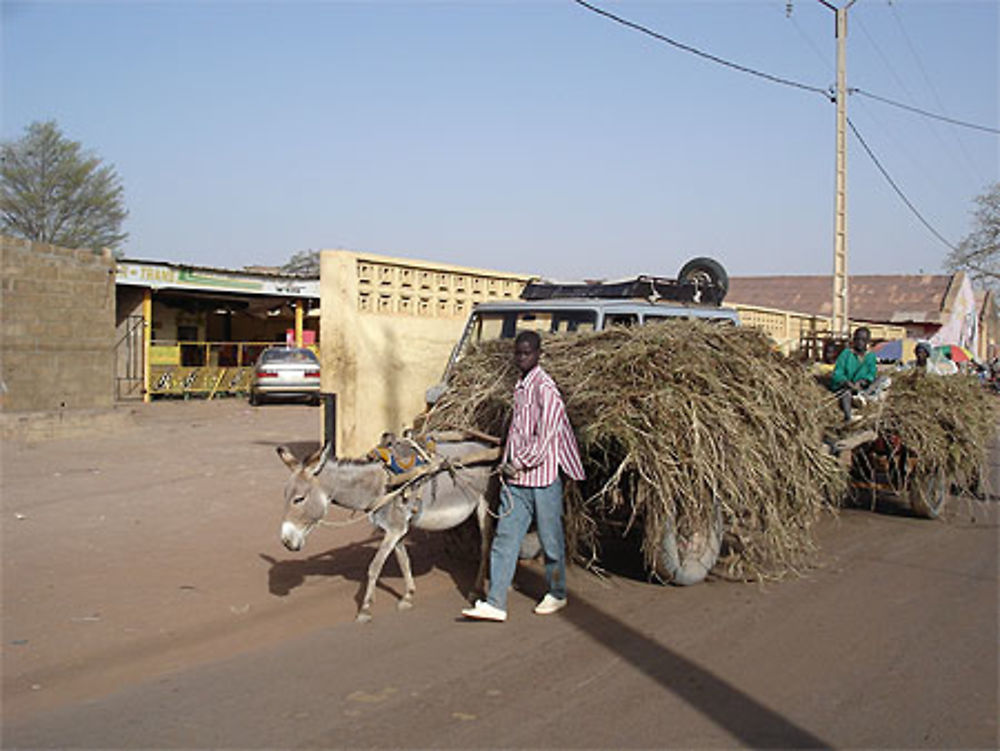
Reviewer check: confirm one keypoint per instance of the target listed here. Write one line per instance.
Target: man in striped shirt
(540, 443)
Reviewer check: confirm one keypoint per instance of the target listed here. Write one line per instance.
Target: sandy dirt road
(147, 603)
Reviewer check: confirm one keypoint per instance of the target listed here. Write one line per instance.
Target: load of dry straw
(674, 420)
(946, 424)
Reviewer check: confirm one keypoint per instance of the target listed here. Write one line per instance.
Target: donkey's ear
(288, 458)
(317, 461)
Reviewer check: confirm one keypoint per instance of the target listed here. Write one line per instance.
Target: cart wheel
(706, 272)
(687, 559)
(254, 399)
(927, 496)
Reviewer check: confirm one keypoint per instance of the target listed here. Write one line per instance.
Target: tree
(303, 263)
(979, 252)
(52, 191)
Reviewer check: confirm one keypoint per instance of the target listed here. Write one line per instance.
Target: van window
(621, 319)
(488, 326)
(574, 320)
(661, 319)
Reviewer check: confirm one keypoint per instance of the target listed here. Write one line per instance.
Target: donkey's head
(306, 502)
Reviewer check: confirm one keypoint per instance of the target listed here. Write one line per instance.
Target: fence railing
(203, 369)
(791, 330)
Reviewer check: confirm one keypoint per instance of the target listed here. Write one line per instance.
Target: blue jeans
(518, 505)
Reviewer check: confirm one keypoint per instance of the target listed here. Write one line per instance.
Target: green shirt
(849, 367)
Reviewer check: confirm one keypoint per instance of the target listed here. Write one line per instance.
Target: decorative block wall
(388, 327)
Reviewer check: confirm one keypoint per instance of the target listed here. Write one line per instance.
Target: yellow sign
(165, 354)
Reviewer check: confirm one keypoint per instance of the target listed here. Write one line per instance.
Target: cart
(880, 463)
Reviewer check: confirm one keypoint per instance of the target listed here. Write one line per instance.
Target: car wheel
(708, 274)
(686, 559)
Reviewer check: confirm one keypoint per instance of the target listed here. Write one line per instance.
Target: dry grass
(673, 418)
(946, 422)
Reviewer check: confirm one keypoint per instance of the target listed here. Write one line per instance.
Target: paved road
(147, 603)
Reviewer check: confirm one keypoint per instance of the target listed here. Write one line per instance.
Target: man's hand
(507, 470)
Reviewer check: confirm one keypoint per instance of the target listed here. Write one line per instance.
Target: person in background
(855, 371)
(923, 354)
(823, 371)
(540, 442)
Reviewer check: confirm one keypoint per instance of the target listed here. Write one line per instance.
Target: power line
(964, 159)
(700, 53)
(768, 76)
(806, 87)
(925, 113)
(896, 188)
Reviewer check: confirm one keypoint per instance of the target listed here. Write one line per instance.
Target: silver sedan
(285, 372)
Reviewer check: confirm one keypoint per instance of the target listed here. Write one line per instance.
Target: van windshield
(487, 326)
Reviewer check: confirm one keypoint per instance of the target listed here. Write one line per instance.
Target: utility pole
(840, 323)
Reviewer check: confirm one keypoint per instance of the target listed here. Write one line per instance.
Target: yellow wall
(388, 326)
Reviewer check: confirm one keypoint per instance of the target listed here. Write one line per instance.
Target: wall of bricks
(58, 327)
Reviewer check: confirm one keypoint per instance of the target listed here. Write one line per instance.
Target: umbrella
(953, 352)
(895, 350)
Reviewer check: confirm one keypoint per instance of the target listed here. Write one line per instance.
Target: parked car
(285, 372)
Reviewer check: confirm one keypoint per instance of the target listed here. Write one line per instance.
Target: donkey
(437, 501)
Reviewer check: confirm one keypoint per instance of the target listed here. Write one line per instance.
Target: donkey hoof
(404, 604)
(364, 616)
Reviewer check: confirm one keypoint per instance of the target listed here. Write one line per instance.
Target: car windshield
(289, 355)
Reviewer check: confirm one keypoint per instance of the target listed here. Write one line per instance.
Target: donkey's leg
(375, 569)
(403, 558)
(483, 518)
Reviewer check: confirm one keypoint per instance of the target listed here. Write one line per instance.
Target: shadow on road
(351, 561)
(752, 723)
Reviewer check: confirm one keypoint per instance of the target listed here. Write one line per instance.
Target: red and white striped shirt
(541, 439)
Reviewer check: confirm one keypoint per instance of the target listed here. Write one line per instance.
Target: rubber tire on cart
(927, 496)
(706, 272)
(688, 560)
(254, 399)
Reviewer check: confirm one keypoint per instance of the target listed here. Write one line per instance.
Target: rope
(338, 525)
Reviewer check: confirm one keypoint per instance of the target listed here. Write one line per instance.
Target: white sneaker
(483, 611)
(549, 605)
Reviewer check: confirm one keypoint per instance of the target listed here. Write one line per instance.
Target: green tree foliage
(52, 191)
(303, 263)
(979, 252)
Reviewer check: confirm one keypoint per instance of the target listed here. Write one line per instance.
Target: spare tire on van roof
(706, 273)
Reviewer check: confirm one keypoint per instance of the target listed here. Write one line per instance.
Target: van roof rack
(645, 287)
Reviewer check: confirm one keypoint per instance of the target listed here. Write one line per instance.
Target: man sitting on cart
(855, 373)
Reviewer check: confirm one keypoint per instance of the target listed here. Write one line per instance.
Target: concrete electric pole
(840, 325)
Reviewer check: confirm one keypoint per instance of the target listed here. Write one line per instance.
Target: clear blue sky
(530, 136)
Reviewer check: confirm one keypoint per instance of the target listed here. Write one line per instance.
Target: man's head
(527, 348)
(922, 352)
(861, 338)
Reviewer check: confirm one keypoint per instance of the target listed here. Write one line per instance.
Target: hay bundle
(674, 419)
(947, 422)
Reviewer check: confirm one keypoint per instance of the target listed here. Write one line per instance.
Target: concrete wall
(388, 326)
(58, 327)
